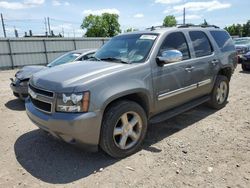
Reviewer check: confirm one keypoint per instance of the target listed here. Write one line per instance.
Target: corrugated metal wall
(33, 51)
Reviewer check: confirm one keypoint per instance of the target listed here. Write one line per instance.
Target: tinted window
(176, 41)
(223, 40)
(201, 44)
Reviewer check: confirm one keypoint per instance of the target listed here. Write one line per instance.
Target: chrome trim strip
(205, 82)
(48, 112)
(176, 92)
(183, 90)
(44, 99)
(43, 90)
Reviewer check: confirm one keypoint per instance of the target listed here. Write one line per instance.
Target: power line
(65, 21)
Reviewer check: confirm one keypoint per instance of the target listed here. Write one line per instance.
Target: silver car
(19, 84)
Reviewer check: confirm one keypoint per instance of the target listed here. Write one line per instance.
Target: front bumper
(18, 90)
(82, 129)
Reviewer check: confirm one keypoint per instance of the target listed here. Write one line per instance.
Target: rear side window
(176, 41)
(201, 43)
(223, 40)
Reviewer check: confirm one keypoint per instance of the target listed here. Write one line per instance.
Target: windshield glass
(131, 48)
(66, 58)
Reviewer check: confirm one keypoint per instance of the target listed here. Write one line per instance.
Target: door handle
(189, 69)
(214, 62)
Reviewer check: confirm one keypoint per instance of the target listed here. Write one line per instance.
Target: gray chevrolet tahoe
(134, 79)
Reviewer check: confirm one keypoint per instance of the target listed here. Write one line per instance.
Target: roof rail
(181, 26)
(155, 27)
(193, 25)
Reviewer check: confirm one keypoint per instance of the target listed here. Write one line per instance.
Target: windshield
(132, 48)
(66, 58)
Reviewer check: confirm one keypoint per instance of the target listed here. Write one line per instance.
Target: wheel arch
(226, 71)
(139, 96)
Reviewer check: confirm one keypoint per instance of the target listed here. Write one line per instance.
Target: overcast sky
(67, 15)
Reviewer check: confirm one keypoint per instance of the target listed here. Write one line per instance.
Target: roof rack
(193, 25)
(155, 27)
(182, 26)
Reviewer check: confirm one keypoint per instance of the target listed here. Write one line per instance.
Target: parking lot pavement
(200, 148)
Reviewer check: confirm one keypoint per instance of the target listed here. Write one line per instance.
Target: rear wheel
(123, 129)
(220, 93)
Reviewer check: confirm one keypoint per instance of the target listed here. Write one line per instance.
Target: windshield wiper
(113, 59)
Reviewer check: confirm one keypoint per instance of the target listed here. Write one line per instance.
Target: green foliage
(242, 30)
(130, 30)
(106, 25)
(169, 21)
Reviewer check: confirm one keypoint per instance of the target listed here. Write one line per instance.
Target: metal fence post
(45, 51)
(74, 43)
(11, 54)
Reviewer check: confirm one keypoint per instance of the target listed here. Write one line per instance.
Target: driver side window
(176, 41)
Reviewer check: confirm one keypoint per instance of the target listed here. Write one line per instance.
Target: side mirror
(169, 56)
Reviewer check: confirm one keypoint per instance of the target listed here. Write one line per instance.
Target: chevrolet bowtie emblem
(32, 93)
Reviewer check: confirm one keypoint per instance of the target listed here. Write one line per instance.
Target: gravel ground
(200, 148)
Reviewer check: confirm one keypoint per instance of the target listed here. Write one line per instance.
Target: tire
(244, 67)
(220, 93)
(123, 122)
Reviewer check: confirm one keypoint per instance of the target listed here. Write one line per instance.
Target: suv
(134, 79)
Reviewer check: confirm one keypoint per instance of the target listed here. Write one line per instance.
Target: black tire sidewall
(110, 119)
(244, 67)
(214, 103)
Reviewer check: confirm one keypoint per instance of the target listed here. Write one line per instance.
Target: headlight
(73, 102)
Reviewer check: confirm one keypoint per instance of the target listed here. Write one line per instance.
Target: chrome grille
(41, 99)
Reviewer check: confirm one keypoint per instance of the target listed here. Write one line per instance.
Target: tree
(239, 29)
(169, 21)
(111, 24)
(130, 30)
(106, 25)
(246, 29)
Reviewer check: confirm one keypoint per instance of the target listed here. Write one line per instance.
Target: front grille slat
(41, 105)
(41, 99)
(42, 92)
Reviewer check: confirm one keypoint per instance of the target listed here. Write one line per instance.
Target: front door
(173, 80)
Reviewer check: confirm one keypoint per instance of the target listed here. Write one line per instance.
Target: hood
(242, 46)
(27, 71)
(65, 78)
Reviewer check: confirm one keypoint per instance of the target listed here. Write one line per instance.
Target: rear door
(204, 63)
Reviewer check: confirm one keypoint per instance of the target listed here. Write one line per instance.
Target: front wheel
(244, 67)
(123, 129)
(220, 92)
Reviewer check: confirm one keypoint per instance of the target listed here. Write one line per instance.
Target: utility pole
(45, 23)
(15, 32)
(184, 16)
(49, 26)
(4, 31)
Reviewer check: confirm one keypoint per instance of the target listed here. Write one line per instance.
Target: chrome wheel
(127, 130)
(221, 94)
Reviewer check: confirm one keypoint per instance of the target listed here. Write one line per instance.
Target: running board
(178, 110)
